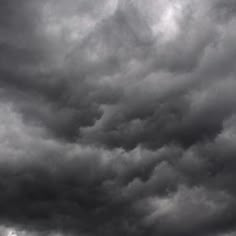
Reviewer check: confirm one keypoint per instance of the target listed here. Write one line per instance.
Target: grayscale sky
(117, 117)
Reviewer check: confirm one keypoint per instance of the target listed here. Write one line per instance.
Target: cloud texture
(117, 117)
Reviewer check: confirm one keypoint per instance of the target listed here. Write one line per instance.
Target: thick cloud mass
(117, 117)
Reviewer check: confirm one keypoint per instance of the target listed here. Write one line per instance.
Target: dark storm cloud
(48, 185)
(117, 117)
(34, 74)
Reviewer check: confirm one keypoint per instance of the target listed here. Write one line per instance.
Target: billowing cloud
(117, 117)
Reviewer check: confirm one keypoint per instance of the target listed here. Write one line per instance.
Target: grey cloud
(117, 117)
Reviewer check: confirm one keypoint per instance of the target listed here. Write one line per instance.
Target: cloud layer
(117, 117)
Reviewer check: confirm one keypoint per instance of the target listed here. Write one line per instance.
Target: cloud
(117, 117)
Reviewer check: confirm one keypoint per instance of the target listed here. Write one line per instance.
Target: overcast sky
(117, 117)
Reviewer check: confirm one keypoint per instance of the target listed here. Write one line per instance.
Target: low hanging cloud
(117, 117)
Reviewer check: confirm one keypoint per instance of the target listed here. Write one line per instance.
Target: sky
(117, 117)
